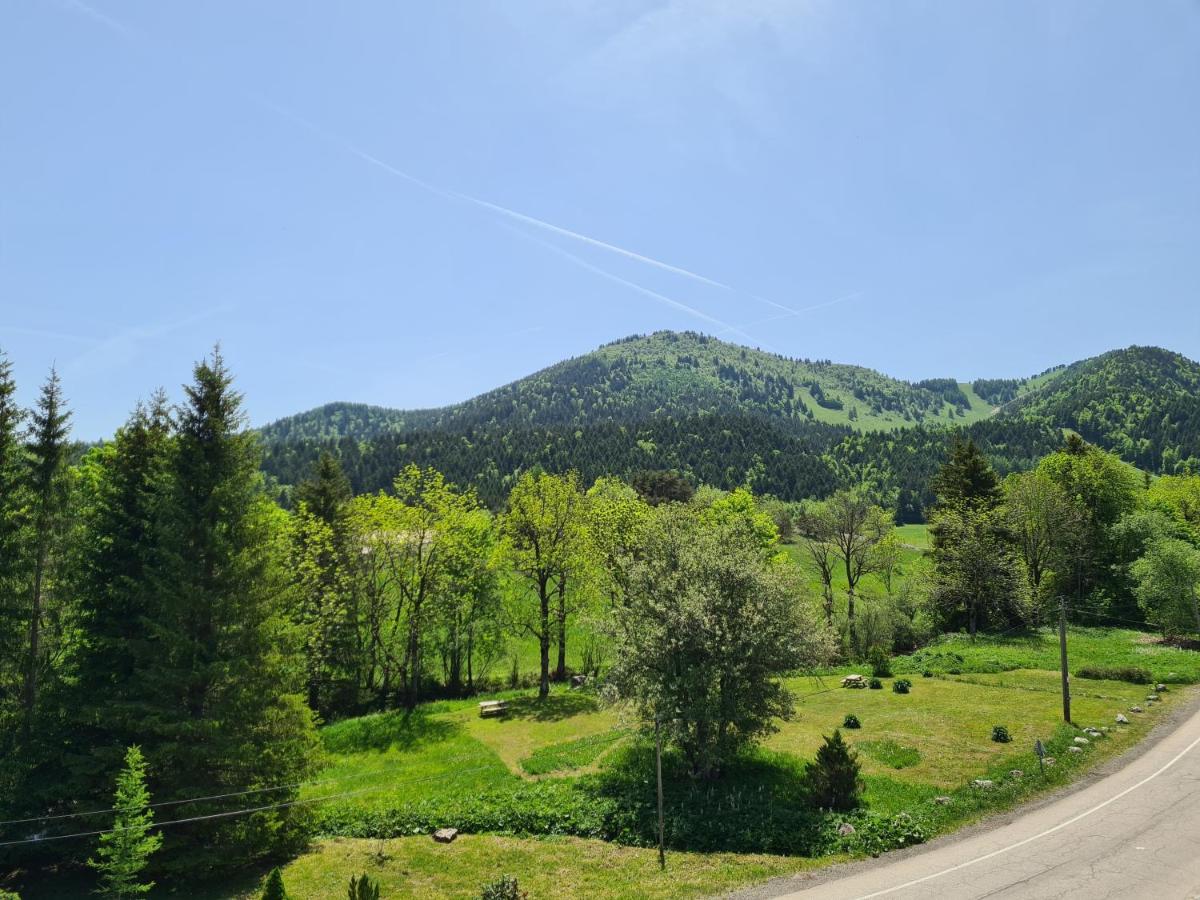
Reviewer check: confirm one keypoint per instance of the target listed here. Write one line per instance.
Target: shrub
(928, 673)
(363, 888)
(851, 721)
(877, 835)
(901, 686)
(1000, 734)
(875, 684)
(881, 663)
(1131, 674)
(833, 779)
(503, 888)
(273, 889)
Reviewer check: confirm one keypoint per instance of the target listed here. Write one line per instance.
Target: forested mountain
(1142, 403)
(726, 415)
(681, 373)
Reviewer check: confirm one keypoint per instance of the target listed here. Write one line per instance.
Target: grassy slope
(939, 734)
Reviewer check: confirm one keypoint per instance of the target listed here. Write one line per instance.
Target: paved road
(1134, 833)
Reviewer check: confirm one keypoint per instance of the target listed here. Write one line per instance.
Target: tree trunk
(35, 632)
(560, 673)
(850, 617)
(544, 640)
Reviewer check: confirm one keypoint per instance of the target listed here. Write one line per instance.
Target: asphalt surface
(1131, 832)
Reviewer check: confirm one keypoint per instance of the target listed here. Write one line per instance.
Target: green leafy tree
(125, 850)
(1167, 584)
(703, 634)
(978, 577)
(834, 779)
(1047, 526)
(545, 542)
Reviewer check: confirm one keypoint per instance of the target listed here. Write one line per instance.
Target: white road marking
(1048, 831)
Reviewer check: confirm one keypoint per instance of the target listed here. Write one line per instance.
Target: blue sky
(985, 188)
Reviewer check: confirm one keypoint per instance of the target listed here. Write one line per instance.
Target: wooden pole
(1062, 653)
(662, 854)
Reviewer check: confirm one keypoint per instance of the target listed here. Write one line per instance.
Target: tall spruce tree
(12, 516)
(219, 699)
(48, 492)
(122, 484)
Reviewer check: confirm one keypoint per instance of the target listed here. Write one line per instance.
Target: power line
(236, 812)
(262, 790)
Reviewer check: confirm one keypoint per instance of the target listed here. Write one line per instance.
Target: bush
(503, 888)
(833, 779)
(1131, 674)
(363, 888)
(901, 686)
(1000, 734)
(881, 663)
(851, 721)
(928, 673)
(875, 684)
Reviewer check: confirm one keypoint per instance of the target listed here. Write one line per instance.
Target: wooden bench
(489, 708)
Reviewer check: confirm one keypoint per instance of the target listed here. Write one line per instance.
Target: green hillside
(685, 373)
(1142, 403)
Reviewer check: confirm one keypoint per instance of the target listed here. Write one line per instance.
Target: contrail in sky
(497, 208)
(790, 314)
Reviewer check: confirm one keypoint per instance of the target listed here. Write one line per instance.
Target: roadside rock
(1136, 709)
(1074, 749)
(445, 835)
(1082, 741)
(1160, 687)
(845, 828)
(941, 801)
(984, 784)
(1122, 719)
(1048, 761)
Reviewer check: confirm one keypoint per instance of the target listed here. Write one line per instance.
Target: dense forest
(726, 415)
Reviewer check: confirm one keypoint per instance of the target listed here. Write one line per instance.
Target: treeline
(722, 451)
(1081, 528)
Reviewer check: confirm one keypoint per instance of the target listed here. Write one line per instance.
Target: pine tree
(274, 889)
(12, 520)
(48, 494)
(125, 850)
(327, 491)
(219, 698)
(967, 478)
(122, 486)
(833, 779)
(363, 888)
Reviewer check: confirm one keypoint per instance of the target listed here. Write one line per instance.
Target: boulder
(578, 680)
(942, 800)
(985, 784)
(1122, 719)
(1152, 698)
(1074, 749)
(1136, 709)
(1016, 773)
(445, 835)
(1160, 687)
(845, 828)
(1082, 741)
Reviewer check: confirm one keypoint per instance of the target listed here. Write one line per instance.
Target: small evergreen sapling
(503, 888)
(363, 888)
(901, 686)
(834, 781)
(851, 721)
(274, 889)
(125, 850)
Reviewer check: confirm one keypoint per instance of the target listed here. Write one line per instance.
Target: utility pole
(1062, 652)
(662, 853)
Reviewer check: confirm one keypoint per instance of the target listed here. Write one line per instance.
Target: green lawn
(916, 536)
(444, 764)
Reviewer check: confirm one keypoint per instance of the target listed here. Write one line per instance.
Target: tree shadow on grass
(380, 732)
(553, 708)
(759, 804)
